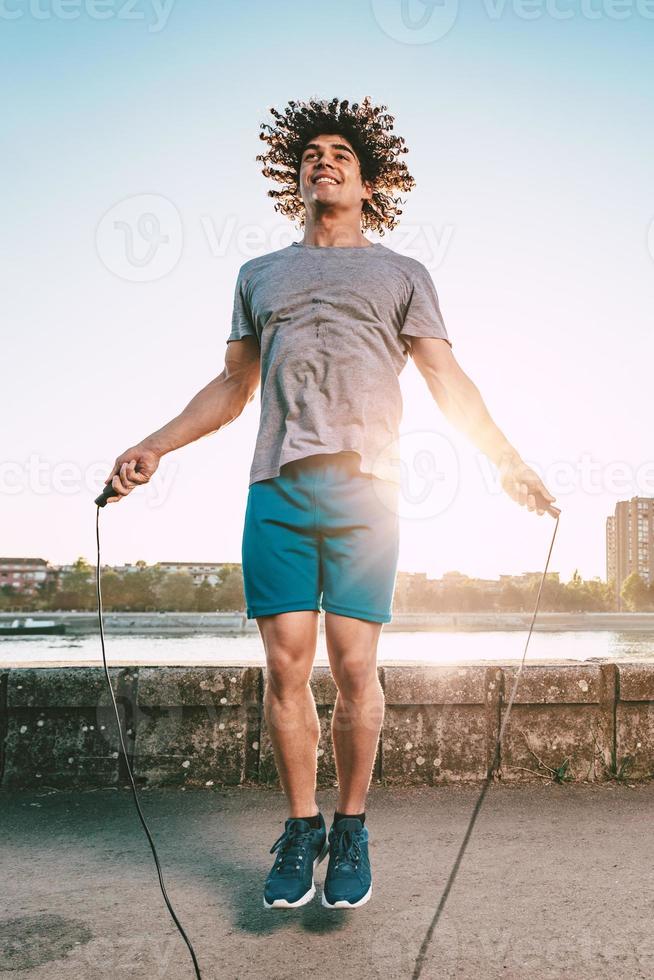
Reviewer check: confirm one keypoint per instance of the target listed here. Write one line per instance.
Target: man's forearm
(216, 405)
(460, 401)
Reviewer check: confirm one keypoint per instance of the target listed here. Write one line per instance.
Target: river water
(423, 647)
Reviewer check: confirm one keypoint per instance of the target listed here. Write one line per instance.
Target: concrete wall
(204, 726)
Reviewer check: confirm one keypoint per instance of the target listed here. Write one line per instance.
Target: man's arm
(460, 401)
(216, 405)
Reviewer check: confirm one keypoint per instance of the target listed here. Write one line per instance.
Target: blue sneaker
(348, 883)
(299, 849)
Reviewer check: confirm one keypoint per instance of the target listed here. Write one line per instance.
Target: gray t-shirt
(334, 327)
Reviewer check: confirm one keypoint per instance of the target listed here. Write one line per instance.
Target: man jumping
(326, 326)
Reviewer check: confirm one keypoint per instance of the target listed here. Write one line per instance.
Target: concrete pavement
(557, 882)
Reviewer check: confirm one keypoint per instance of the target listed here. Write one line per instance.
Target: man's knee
(287, 707)
(355, 676)
(287, 676)
(290, 642)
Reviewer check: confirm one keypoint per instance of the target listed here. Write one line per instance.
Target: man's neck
(334, 236)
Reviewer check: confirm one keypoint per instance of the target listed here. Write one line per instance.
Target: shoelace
(292, 846)
(347, 851)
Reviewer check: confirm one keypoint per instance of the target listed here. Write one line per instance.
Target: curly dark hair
(367, 127)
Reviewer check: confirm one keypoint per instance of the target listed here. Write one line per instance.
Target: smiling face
(330, 176)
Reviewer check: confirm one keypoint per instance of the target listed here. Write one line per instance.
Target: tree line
(152, 589)
(147, 589)
(577, 595)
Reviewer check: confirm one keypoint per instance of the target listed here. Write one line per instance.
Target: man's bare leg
(290, 642)
(359, 708)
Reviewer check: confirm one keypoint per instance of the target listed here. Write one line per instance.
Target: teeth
(325, 180)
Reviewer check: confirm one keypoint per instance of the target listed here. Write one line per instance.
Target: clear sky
(132, 196)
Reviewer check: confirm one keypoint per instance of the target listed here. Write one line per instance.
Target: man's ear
(368, 190)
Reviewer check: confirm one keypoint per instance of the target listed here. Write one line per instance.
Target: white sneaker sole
(347, 905)
(282, 903)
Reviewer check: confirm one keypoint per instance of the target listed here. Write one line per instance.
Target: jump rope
(422, 953)
(101, 501)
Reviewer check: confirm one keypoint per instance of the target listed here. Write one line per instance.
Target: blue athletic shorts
(321, 530)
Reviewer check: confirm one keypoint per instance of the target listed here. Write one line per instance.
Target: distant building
(630, 541)
(610, 549)
(24, 574)
(210, 571)
(406, 581)
(527, 579)
(403, 583)
(453, 579)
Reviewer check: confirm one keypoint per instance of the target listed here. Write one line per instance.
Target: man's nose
(325, 165)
